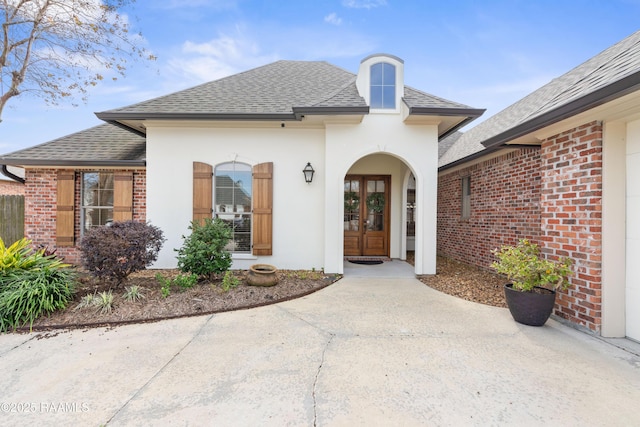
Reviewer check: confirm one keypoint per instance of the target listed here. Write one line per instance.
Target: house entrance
(366, 215)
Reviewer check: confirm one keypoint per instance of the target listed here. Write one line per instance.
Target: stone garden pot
(262, 275)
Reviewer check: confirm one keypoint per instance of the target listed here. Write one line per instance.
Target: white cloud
(363, 4)
(217, 58)
(332, 18)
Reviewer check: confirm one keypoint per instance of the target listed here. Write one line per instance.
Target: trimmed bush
(203, 250)
(115, 251)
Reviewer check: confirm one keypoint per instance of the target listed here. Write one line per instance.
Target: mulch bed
(452, 277)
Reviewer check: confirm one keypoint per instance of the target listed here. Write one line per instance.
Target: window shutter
(202, 191)
(65, 208)
(123, 196)
(262, 208)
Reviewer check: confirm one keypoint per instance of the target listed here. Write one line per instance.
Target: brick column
(571, 214)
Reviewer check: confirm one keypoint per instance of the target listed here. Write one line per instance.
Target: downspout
(8, 174)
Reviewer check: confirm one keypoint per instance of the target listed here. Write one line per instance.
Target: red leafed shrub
(116, 250)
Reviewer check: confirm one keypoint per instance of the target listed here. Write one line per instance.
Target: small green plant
(229, 281)
(165, 285)
(104, 302)
(185, 281)
(525, 269)
(133, 293)
(202, 252)
(86, 301)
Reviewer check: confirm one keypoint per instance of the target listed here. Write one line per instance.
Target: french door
(366, 215)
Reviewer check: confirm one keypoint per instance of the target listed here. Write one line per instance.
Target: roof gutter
(8, 174)
(469, 114)
(594, 99)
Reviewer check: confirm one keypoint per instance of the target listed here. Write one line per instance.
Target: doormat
(365, 261)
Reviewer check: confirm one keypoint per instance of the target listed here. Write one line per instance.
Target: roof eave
(594, 99)
(353, 110)
(471, 113)
(115, 116)
(73, 163)
(482, 153)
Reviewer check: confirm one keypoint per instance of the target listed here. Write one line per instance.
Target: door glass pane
(375, 205)
(351, 205)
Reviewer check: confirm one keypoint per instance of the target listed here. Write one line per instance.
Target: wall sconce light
(308, 173)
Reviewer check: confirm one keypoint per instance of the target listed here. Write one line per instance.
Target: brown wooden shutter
(202, 191)
(123, 196)
(65, 209)
(262, 209)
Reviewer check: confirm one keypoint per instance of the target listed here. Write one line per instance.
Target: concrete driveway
(365, 351)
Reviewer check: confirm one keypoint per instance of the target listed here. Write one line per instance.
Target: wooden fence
(11, 218)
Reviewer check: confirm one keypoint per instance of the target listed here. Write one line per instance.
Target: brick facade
(505, 206)
(551, 196)
(571, 211)
(40, 208)
(11, 188)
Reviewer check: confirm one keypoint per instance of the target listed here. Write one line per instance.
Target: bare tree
(58, 49)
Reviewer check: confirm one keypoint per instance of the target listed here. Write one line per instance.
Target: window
(232, 197)
(97, 199)
(466, 197)
(383, 86)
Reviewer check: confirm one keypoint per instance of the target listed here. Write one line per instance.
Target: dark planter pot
(530, 308)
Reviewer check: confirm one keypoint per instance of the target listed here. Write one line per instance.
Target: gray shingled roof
(610, 74)
(104, 144)
(271, 89)
(277, 88)
(283, 89)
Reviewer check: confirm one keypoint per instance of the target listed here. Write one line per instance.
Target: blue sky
(486, 54)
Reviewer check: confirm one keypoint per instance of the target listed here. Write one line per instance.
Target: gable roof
(613, 73)
(283, 90)
(102, 145)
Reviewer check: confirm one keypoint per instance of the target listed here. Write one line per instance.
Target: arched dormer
(380, 82)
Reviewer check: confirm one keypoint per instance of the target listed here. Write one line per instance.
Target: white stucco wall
(307, 218)
(298, 241)
(385, 133)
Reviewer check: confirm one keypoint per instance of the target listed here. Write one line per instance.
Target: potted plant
(531, 293)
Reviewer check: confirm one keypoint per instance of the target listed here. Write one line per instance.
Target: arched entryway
(375, 207)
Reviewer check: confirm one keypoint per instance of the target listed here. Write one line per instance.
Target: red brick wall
(11, 188)
(572, 218)
(551, 196)
(505, 206)
(40, 208)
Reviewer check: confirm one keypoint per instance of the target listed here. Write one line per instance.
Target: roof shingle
(610, 66)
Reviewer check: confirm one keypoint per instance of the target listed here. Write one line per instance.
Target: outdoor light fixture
(308, 173)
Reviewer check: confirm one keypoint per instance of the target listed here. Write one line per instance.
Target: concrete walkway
(364, 351)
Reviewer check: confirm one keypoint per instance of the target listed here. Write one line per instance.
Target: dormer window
(383, 85)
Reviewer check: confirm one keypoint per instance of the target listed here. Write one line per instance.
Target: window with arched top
(233, 197)
(383, 85)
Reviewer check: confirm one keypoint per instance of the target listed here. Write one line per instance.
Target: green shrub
(32, 283)
(28, 294)
(115, 251)
(203, 250)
